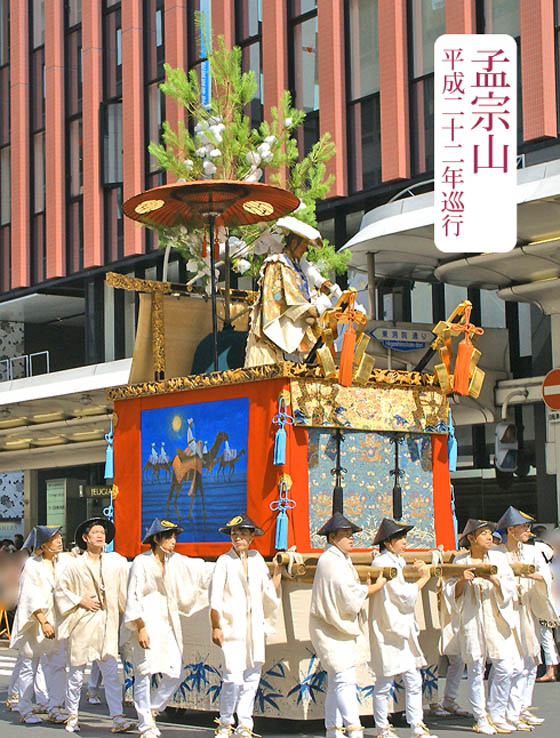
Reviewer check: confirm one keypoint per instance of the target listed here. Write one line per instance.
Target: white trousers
(453, 679)
(477, 699)
(548, 644)
(55, 675)
(147, 698)
(238, 694)
(522, 685)
(499, 688)
(341, 701)
(94, 679)
(113, 689)
(413, 698)
(13, 686)
(40, 684)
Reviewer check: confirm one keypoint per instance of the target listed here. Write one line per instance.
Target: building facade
(80, 101)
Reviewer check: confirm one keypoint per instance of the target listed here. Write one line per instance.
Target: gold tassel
(444, 378)
(327, 362)
(364, 370)
(475, 385)
(347, 356)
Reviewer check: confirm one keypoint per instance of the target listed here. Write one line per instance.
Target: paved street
(95, 723)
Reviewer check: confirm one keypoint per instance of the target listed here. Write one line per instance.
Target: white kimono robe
(337, 612)
(394, 643)
(247, 607)
(160, 601)
(531, 602)
(91, 635)
(483, 614)
(36, 592)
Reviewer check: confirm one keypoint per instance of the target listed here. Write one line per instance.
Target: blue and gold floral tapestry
(369, 458)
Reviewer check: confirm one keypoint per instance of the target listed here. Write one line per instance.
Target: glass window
(74, 12)
(4, 105)
(113, 224)
(502, 16)
(75, 254)
(493, 310)
(112, 144)
(249, 18)
(156, 113)
(153, 39)
(299, 7)
(453, 296)
(38, 23)
(5, 190)
(112, 58)
(4, 32)
(39, 172)
(306, 65)
(38, 252)
(38, 89)
(421, 303)
(74, 72)
(364, 48)
(525, 337)
(5, 259)
(76, 158)
(428, 22)
(365, 136)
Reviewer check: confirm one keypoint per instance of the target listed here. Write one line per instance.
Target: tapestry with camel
(194, 465)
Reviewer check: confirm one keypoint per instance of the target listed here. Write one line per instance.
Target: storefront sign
(401, 339)
(475, 143)
(98, 491)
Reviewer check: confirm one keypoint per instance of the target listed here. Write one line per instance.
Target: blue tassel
(280, 447)
(109, 469)
(281, 542)
(451, 445)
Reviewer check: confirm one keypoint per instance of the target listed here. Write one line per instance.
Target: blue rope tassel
(282, 505)
(109, 471)
(451, 445)
(281, 419)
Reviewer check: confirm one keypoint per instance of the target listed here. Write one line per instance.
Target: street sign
(551, 389)
(402, 339)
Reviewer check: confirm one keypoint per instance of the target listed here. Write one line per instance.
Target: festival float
(198, 440)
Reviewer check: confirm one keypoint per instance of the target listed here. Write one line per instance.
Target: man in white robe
(530, 603)
(163, 586)
(394, 644)
(244, 601)
(90, 595)
(482, 612)
(34, 630)
(336, 621)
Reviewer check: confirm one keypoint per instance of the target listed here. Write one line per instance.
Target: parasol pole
(397, 473)
(211, 217)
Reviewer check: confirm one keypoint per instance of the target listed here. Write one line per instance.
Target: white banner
(475, 143)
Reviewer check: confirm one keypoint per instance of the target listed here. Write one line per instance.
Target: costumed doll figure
(164, 587)
(90, 595)
(338, 625)
(481, 610)
(284, 316)
(34, 632)
(244, 600)
(394, 633)
(531, 603)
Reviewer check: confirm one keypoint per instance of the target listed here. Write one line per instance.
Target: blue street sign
(401, 339)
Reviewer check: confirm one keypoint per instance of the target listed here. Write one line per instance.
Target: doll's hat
(513, 516)
(337, 522)
(289, 224)
(390, 529)
(81, 529)
(241, 521)
(161, 526)
(472, 526)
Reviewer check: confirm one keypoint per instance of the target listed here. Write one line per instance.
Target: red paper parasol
(232, 203)
(209, 203)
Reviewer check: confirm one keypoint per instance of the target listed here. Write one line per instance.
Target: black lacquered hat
(513, 516)
(43, 533)
(105, 522)
(337, 522)
(471, 527)
(161, 526)
(241, 521)
(390, 529)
